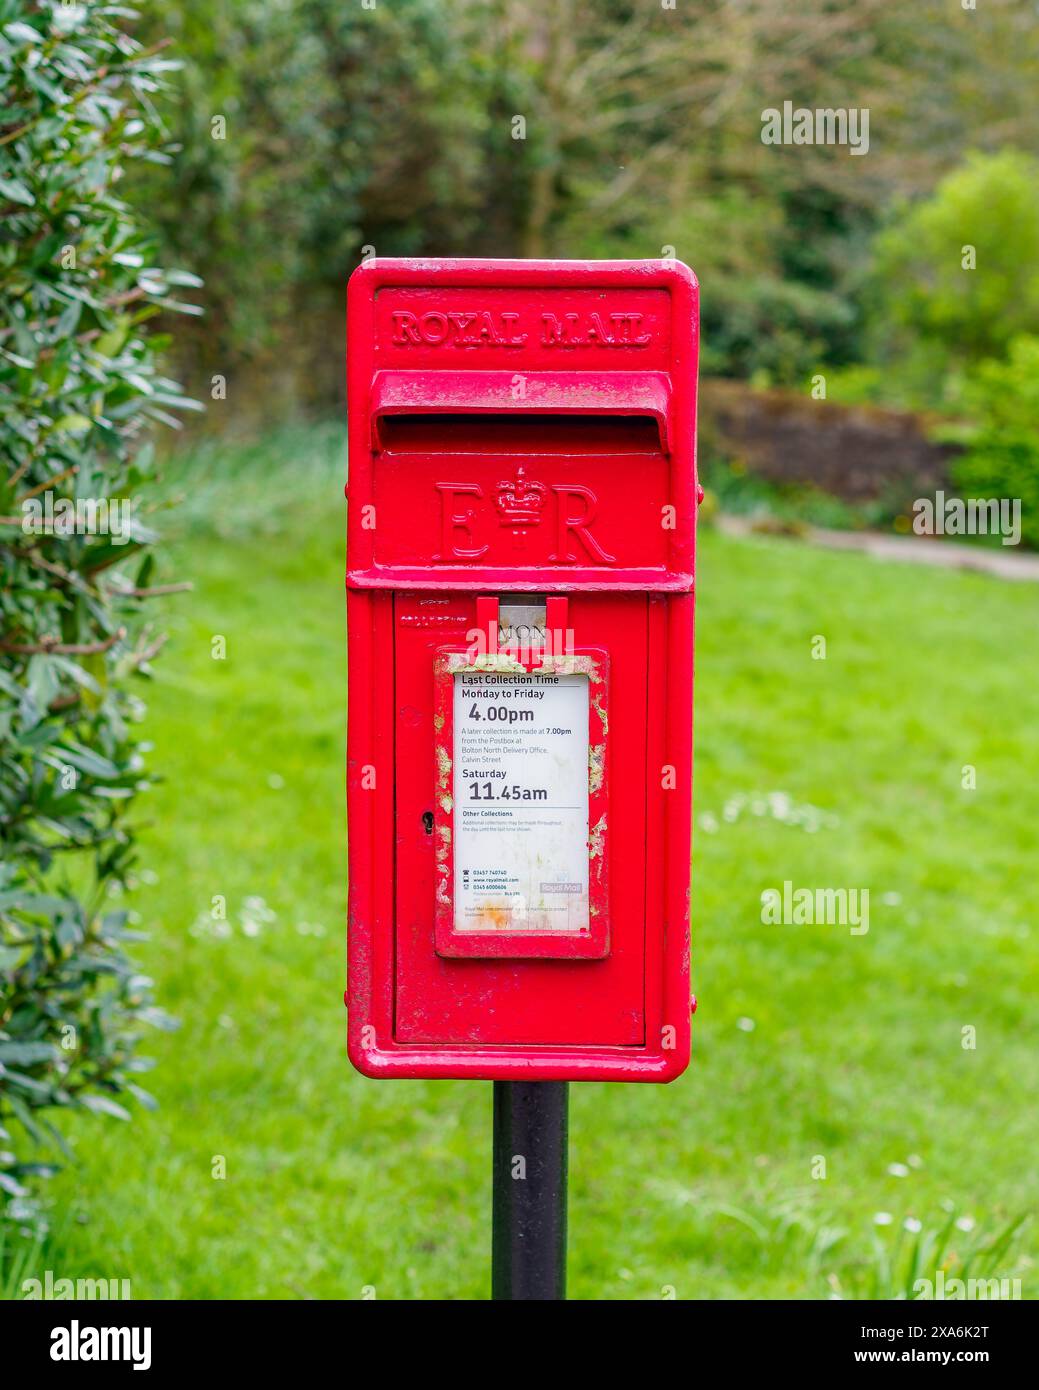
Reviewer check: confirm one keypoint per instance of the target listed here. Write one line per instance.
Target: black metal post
(528, 1224)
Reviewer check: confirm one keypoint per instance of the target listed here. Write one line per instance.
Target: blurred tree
(1002, 453)
(402, 114)
(963, 79)
(308, 130)
(957, 275)
(647, 125)
(548, 127)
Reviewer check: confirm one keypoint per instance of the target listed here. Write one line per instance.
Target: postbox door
(474, 1000)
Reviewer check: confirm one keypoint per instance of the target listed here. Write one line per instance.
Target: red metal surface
(521, 428)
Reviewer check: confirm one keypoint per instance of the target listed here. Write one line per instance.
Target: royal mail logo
(467, 518)
(485, 328)
(521, 502)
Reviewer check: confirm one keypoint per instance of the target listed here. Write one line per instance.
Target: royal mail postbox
(520, 546)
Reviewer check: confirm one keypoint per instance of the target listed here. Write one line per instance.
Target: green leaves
(104, 1105)
(957, 274)
(1002, 454)
(16, 191)
(79, 383)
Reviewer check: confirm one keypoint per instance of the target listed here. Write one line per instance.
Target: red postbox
(520, 548)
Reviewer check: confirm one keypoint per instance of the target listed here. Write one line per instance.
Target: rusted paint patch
(599, 705)
(596, 767)
(597, 838)
(443, 765)
(442, 858)
(569, 664)
(490, 663)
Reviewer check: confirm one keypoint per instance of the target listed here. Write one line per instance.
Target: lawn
(815, 1050)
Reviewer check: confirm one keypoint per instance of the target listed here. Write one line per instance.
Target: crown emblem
(520, 502)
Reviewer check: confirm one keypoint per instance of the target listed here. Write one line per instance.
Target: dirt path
(1005, 563)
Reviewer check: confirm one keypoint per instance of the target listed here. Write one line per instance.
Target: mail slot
(520, 563)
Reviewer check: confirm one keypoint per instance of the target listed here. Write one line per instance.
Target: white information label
(521, 802)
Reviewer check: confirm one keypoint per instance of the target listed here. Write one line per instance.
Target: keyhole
(427, 821)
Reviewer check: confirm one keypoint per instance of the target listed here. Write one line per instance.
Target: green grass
(808, 1041)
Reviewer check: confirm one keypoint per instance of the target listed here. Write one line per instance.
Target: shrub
(79, 386)
(1002, 454)
(933, 314)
